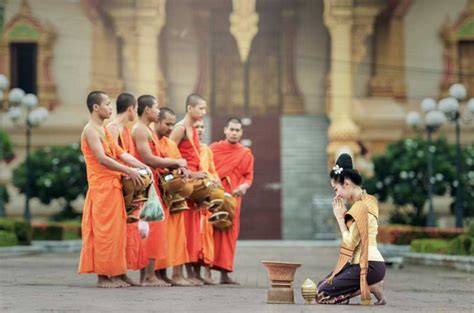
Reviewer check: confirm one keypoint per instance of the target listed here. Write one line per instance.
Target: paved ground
(49, 283)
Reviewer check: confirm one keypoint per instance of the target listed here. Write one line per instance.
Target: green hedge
(462, 245)
(7, 225)
(430, 246)
(48, 232)
(7, 239)
(24, 232)
(470, 228)
(20, 228)
(72, 230)
(69, 230)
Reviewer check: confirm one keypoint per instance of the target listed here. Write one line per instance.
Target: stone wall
(424, 61)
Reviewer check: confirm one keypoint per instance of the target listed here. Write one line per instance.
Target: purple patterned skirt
(347, 282)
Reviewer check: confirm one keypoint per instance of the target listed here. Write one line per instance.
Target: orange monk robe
(235, 162)
(207, 230)
(192, 218)
(103, 217)
(136, 257)
(177, 250)
(156, 244)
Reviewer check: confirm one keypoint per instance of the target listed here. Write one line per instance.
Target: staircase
(306, 194)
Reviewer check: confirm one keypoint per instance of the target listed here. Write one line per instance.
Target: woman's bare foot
(377, 290)
(129, 281)
(105, 282)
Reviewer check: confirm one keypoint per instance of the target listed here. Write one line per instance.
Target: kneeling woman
(360, 268)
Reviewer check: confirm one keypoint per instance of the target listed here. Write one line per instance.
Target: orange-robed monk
(185, 136)
(177, 253)
(104, 219)
(207, 229)
(147, 149)
(234, 164)
(126, 108)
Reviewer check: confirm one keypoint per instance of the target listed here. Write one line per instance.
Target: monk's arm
(197, 175)
(131, 160)
(97, 149)
(248, 172)
(212, 167)
(143, 148)
(114, 131)
(177, 134)
(247, 176)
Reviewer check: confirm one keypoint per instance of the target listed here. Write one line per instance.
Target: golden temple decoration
(309, 291)
(457, 37)
(25, 8)
(244, 25)
(26, 28)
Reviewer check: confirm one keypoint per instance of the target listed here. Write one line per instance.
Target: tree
(58, 173)
(467, 177)
(6, 155)
(400, 175)
(6, 147)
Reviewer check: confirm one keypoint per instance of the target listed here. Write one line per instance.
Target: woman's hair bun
(345, 161)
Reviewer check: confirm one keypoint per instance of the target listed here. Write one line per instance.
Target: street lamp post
(3, 86)
(450, 106)
(33, 117)
(434, 119)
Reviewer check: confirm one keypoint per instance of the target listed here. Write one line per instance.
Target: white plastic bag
(143, 229)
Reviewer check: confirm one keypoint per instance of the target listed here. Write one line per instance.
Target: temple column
(389, 58)
(350, 25)
(292, 99)
(343, 132)
(363, 27)
(139, 27)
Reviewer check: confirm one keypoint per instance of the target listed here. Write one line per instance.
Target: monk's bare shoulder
(178, 132)
(112, 125)
(89, 133)
(139, 131)
(114, 130)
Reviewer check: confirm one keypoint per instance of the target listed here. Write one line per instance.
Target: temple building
(311, 78)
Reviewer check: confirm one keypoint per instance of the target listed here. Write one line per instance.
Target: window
(23, 60)
(466, 65)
